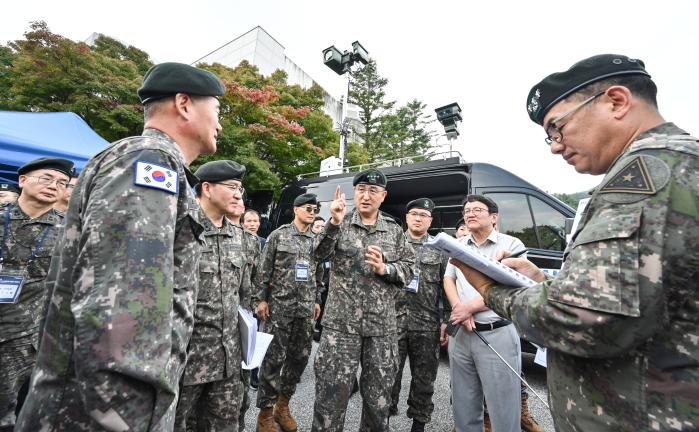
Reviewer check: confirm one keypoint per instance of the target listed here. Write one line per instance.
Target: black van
(526, 212)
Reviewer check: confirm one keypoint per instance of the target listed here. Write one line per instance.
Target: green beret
(9, 187)
(421, 203)
(58, 164)
(307, 198)
(220, 170)
(371, 176)
(167, 79)
(557, 86)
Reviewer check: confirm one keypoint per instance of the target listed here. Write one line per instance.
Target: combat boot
(418, 426)
(265, 421)
(282, 415)
(486, 423)
(528, 422)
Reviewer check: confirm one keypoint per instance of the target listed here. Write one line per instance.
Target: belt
(492, 326)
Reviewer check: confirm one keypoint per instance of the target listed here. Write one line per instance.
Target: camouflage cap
(557, 86)
(371, 176)
(167, 79)
(307, 198)
(9, 187)
(421, 203)
(53, 163)
(220, 170)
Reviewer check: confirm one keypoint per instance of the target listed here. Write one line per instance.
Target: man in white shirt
(476, 372)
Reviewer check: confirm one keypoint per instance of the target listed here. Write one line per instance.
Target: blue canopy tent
(25, 136)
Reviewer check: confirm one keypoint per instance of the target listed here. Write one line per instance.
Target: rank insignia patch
(633, 178)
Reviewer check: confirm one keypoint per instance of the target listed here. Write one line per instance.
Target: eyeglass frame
(475, 210)
(233, 188)
(559, 130)
(314, 210)
(420, 215)
(47, 180)
(373, 193)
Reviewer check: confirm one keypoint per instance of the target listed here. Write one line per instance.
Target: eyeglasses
(233, 188)
(476, 211)
(46, 180)
(311, 209)
(373, 191)
(420, 215)
(554, 132)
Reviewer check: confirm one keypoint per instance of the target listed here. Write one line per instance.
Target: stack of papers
(453, 248)
(254, 343)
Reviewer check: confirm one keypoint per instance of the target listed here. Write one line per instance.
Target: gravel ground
(302, 402)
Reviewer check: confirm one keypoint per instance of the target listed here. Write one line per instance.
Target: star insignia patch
(633, 178)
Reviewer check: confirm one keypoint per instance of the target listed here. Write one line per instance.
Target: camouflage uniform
(360, 320)
(418, 317)
(620, 319)
(19, 321)
(246, 299)
(212, 386)
(290, 311)
(122, 310)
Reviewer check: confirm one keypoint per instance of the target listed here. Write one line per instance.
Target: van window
(550, 225)
(531, 220)
(515, 217)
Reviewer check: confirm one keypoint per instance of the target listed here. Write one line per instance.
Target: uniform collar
(211, 229)
(381, 224)
(421, 240)
(51, 217)
(176, 152)
(294, 231)
(492, 237)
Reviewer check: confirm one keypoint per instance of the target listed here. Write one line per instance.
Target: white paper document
(483, 263)
(254, 344)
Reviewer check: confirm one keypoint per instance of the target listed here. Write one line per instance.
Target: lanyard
(298, 245)
(4, 237)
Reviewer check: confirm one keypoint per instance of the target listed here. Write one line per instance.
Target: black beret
(307, 198)
(220, 170)
(559, 85)
(59, 164)
(422, 203)
(371, 176)
(167, 79)
(9, 187)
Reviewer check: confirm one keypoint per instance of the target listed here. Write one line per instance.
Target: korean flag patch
(155, 176)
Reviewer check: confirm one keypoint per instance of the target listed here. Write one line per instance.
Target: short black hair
(641, 86)
(317, 218)
(492, 207)
(247, 212)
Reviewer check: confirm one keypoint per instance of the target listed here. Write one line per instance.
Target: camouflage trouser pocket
(602, 264)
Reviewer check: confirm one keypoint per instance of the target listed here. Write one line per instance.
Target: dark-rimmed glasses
(554, 132)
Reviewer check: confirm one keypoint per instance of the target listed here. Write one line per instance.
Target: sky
(484, 55)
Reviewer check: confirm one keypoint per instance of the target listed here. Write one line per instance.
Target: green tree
(570, 199)
(52, 73)
(404, 132)
(367, 92)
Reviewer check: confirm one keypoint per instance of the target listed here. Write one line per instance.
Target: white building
(260, 49)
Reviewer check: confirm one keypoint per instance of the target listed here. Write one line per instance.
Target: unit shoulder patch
(156, 176)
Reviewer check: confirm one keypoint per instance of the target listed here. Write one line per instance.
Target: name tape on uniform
(156, 176)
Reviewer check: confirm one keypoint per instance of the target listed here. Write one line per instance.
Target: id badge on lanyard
(302, 271)
(414, 283)
(11, 282)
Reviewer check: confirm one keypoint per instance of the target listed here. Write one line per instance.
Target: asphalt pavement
(302, 402)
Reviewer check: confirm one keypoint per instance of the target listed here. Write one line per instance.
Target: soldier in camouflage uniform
(419, 317)
(122, 310)
(371, 261)
(30, 230)
(8, 193)
(620, 319)
(212, 386)
(289, 301)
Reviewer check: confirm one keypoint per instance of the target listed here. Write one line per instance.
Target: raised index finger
(338, 192)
